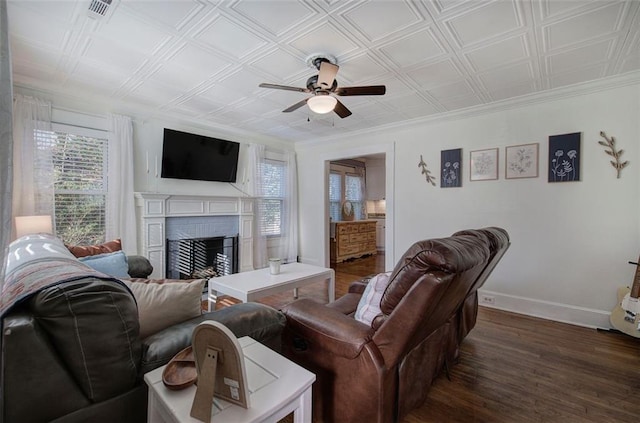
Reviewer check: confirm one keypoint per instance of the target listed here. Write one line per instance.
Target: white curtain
(6, 140)
(289, 242)
(363, 195)
(255, 159)
(121, 217)
(32, 184)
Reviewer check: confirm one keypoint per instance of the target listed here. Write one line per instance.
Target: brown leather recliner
(499, 242)
(379, 373)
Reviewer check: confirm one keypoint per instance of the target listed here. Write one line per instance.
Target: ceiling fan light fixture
(322, 103)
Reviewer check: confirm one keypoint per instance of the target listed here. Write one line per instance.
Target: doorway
(375, 205)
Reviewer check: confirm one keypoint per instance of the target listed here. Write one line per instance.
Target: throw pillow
(112, 264)
(91, 250)
(369, 304)
(161, 305)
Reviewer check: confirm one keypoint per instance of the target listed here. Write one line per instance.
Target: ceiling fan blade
(295, 106)
(327, 74)
(284, 87)
(341, 110)
(364, 90)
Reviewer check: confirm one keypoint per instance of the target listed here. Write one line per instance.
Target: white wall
(570, 241)
(313, 170)
(147, 145)
(147, 141)
(375, 182)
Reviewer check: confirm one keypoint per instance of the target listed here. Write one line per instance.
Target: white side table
(277, 387)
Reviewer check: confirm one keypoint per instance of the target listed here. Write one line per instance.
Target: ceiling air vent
(99, 8)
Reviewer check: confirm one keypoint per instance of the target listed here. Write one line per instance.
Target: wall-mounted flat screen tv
(191, 156)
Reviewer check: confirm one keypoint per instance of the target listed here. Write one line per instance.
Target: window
(335, 196)
(272, 202)
(354, 192)
(79, 159)
(343, 187)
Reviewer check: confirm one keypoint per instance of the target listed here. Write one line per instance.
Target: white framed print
(484, 165)
(521, 161)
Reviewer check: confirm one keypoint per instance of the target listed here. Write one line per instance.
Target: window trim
(81, 131)
(343, 172)
(276, 159)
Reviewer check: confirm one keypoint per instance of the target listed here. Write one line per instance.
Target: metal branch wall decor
(610, 149)
(426, 172)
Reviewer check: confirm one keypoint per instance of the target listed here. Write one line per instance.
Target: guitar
(625, 317)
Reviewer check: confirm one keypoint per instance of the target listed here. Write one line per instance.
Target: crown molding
(101, 107)
(140, 113)
(627, 79)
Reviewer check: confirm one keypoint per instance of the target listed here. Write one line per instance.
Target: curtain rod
(67, 109)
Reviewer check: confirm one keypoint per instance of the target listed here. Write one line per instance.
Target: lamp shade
(26, 225)
(322, 103)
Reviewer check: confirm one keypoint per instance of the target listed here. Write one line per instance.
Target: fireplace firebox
(202, 258)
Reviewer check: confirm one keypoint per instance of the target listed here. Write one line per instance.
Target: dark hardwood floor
(515, 368)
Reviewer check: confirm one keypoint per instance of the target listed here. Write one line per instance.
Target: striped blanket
(36, 262)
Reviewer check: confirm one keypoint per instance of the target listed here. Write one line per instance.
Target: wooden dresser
(353, 239)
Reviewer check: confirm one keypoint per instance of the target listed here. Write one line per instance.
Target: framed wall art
(564, 157)
(521, 161)
(451, 165)
(484, 165)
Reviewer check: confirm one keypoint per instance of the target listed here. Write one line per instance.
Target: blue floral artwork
(564, 157)
(451, 165)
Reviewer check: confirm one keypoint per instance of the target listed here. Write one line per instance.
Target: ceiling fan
(322, 86)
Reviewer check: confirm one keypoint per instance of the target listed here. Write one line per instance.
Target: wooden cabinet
(352, 240)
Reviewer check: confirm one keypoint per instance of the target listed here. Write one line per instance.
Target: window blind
(273, 192)
(79, 184)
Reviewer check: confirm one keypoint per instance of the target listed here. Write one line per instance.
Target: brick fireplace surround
(162, 216)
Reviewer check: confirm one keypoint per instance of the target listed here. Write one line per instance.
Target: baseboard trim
(565, 313)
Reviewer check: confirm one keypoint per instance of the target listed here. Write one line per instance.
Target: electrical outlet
(487, 299)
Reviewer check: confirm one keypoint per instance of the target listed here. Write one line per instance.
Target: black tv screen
(191, 156)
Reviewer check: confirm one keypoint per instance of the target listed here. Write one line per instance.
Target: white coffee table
(249, 286)
(277, 387)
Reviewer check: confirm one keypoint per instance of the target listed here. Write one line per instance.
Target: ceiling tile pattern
(202, 61)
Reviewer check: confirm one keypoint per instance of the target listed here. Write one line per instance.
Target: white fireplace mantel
(152, 210)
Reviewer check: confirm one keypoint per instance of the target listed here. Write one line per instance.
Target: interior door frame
(389, 152)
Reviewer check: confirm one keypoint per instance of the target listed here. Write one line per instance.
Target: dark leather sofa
(380, 372)
(71, 351)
